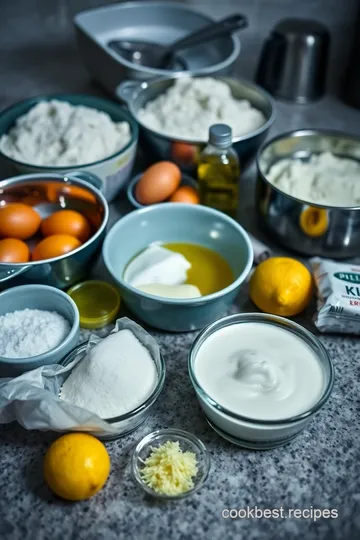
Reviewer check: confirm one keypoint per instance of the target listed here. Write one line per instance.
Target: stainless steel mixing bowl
(182, 151)
(47, 193)
(310, 229)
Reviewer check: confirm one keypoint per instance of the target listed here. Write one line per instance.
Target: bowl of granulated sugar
(39, 325)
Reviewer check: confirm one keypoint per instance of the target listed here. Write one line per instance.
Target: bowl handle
(5, 275)
(86, 176)
(125, 91)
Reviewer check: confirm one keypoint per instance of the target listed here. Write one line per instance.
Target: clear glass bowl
(188, 443)
(125, 423)
(249, 432)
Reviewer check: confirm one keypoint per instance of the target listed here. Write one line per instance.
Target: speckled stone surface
(319, 469)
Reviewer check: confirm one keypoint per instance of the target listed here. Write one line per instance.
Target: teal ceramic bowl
(176, 222)
(44, 298)
(114, 170)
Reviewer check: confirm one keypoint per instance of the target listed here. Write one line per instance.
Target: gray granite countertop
(319, 469)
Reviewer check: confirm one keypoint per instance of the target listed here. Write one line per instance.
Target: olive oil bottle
(218, 171)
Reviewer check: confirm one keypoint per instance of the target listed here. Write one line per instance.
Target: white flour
(59, 134)
(117, 376)
(189, 107)
(31, 332)
(324, 179)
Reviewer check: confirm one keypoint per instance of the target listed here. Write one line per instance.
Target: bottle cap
(220, 135)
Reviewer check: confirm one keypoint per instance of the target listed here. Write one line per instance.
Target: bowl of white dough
(66, 132)
(308, 192)
(175, 115)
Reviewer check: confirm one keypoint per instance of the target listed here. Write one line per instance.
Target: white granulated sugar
(324, 179)
(31, 332)
(117, 376)
(189, 107)
(56, 133)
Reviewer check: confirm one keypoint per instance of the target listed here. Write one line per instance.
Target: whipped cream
(260, 371)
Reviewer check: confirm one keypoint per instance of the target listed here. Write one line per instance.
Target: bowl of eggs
(162, 182)
(51, 227)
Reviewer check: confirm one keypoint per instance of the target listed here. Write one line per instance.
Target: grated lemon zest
(168, 470)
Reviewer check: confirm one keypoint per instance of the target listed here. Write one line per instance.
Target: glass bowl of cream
(259, 378)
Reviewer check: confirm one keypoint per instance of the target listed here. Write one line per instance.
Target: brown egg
(185, 194)
(183, 153)
(158, 182)
(67, 222)
(55, 246)
(18, 220)
(13, 250)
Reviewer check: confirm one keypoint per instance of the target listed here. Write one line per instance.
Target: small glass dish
(188, 443)
(98, 303)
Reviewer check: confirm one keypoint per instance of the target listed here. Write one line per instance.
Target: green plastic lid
(98, 303)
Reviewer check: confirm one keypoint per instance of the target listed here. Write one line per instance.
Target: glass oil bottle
(218, 171)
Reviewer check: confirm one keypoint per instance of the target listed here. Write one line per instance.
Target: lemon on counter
(76, 466)
(281, 286)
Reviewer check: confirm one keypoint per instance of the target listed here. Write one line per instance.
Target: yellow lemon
(314, 221)
(76, 466)
(281, 286)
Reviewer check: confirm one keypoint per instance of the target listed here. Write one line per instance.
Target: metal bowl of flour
(307, 228)
(184, 151)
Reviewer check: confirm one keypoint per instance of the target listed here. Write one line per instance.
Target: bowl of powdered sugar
(117, 378)
(39, 325)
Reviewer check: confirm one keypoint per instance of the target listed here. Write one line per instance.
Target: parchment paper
(32, 398)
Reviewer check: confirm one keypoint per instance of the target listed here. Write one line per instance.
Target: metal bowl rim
(298, 133)
(143, 86)
(34, 177)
